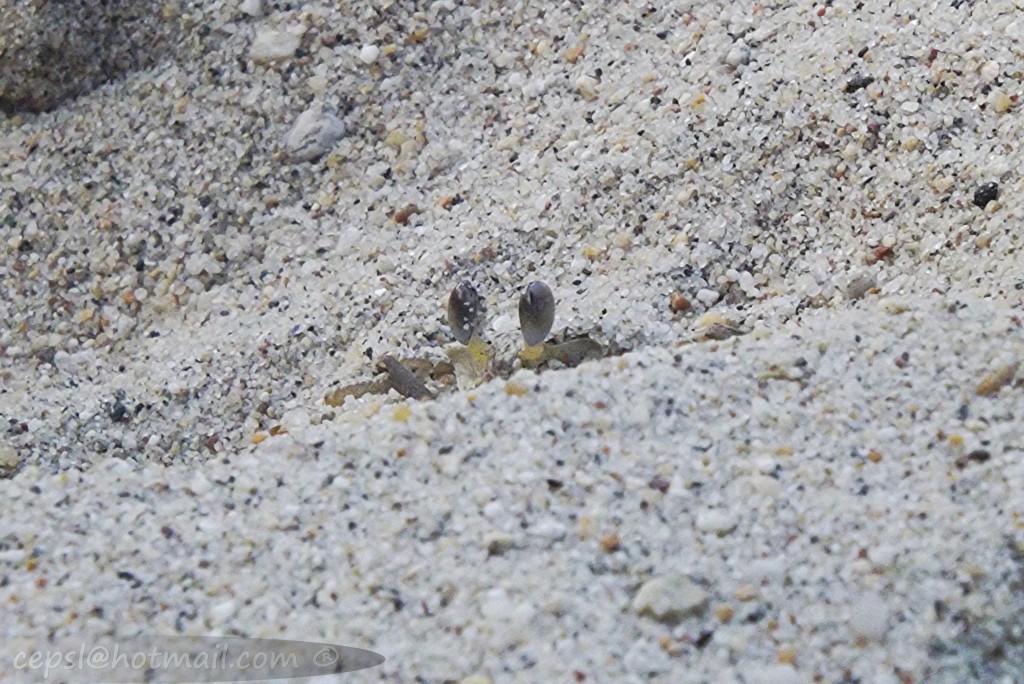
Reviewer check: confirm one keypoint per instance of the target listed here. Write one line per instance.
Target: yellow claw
(472, 362)
(480, 350)
(534, 355)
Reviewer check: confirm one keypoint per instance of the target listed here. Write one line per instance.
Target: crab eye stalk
(536, 312)
(465, 311)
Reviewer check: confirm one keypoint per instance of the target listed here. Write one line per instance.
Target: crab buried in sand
(475, 361)
(472, 359)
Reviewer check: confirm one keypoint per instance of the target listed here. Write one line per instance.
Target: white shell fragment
(670, 598)
(313, 135)
(271, 44)
(587, 85)
(536, 312)
(368, 54)
(738, 55)
(253, 8)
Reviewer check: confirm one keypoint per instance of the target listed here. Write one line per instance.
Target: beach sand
(795, 228)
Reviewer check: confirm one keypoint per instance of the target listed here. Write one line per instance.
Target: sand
(795, 230)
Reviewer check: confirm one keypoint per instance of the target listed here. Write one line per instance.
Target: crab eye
(465, 311)
(536, 312)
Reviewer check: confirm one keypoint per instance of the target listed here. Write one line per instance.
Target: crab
(472, 360)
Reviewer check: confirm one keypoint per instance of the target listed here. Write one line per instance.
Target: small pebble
(254, 8)
(611, 542)
(497, 543)
(220, 612)
(678, 303)
(996, 380)
(9, 459)
(985, 193)
(707, 297)
(859, 285)
(317, 84)
(670, 598)
(368, 54)
(402, 216)
(976, 456)
(943, 184)
(659, 483)
(999, 101)
(271, 45)
(787, 654)
(858, 82)
(747, 592)
(738, 55)
(313, 135)
(719, 521)
(724, 613)
(574, 53)
(587, 85)
(883, 555)
(989, 71)
(118, 412)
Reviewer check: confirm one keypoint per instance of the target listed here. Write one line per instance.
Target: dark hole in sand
(56, 50)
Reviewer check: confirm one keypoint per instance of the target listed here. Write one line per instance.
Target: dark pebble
(659, 483)
(704, 639)
(976, 456)
(985, 194)
(855, 84)
(46, 354)
(118, 412)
